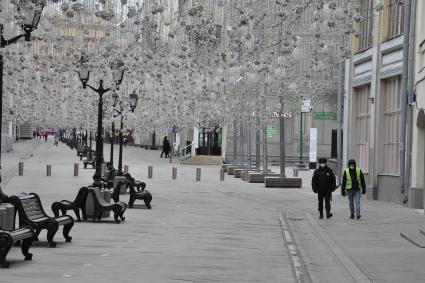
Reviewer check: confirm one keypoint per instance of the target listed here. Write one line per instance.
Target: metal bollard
(221, 174)
(174, 173)
(21, 168)
(171, 160)
(125, 168)
(198, 174)
(49, 170)
(150, 172)
(76, 166)
(103, 169)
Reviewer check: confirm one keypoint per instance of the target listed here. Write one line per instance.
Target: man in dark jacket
(353, 182)
(323, 184)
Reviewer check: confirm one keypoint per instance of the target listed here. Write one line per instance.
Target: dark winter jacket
(323, 180)
(166, 145)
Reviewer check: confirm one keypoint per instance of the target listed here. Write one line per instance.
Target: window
(324, 118)
(365, 25)
(360, 134)
(395, 18)
(390, 108)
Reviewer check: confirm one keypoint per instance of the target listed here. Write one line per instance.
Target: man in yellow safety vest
(353, 183)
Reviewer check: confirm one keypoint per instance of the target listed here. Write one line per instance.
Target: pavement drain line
(350, 266)
(298, 267)
(414, 241)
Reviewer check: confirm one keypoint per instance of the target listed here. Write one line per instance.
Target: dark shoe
(321, 217)
(352, 216)
(329, 215)
(358, 216)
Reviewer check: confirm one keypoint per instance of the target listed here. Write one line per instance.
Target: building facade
(373, 104)
(418, 132)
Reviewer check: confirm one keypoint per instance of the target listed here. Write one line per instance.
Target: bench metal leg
(131, 201)
(26, 244)
(37, 232)
(147, 203)
(66, 229)
(52, 227)
(116, 215)
(5, 245)
(77, 213)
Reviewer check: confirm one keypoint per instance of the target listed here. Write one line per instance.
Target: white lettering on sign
(273, 114)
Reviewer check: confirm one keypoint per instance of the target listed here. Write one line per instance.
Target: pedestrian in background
(167, 147)
(323, 184)
(353, 183)
(164, 146)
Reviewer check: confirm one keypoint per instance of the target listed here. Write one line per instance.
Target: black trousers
(327, 196)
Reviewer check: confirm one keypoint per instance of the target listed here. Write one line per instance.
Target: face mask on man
(352, 167)
(322, 165)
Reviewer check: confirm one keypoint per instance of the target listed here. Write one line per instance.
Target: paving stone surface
(208, 231)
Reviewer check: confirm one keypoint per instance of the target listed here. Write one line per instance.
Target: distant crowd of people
(39, 135)
(44, 135)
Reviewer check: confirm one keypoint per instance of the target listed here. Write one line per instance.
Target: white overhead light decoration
(184, 62)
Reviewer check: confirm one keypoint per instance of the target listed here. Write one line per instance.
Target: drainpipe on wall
(339, 120)
(404, 97)
(407, 179)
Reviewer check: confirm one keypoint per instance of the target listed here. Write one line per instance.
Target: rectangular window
(396, 16)
(390, 107)
(361, 110)
(366, 24)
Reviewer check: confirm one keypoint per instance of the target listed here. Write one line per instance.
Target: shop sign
(324, 116)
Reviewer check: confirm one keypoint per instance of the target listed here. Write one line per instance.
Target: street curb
(349, 265)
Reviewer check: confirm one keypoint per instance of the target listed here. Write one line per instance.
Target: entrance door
(209, 141)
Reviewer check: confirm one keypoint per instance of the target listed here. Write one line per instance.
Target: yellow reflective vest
(349, 182)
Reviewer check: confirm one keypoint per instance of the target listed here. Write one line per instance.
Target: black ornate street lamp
(30, 24)
(84, 75)
(133, 103)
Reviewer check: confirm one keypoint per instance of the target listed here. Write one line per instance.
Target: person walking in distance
(323, 184)
(353, 183)
(164, 146)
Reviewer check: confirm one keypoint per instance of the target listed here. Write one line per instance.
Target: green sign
(270, 131)
(324, 116)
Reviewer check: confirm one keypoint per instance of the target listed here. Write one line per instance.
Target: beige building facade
(373, 107)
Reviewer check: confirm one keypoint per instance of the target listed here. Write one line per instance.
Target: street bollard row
(150, 171)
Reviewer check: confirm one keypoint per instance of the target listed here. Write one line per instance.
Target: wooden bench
(77, 205)
(100, 205)
(32, 214)
(280, 182)
(91, 159)
(258, 177)
(143, 194)
(139, 185)
(137, 192)
(83, 152)
(9, 237)
(108, 181)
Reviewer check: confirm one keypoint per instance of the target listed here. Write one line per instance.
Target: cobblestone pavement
(209, 231)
